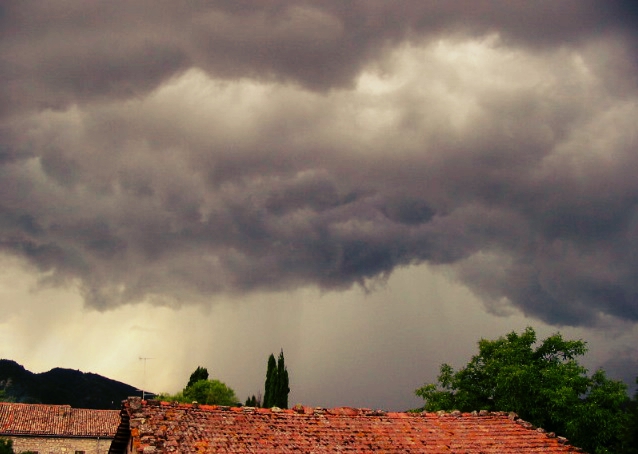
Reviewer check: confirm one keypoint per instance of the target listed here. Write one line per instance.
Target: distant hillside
(62, 387)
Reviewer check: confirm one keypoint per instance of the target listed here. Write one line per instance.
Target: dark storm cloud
(59, 53)
(168, 152)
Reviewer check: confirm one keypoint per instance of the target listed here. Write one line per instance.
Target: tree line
(203, 390)
(542, 382)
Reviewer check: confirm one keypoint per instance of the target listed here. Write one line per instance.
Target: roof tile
(56, 420)
(163, 427)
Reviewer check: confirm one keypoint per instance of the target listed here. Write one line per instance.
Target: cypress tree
(277, 384)
(253, 401)
(271, 378)
(282, 382)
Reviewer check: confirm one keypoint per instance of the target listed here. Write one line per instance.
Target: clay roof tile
(190, 428)
(56, 420)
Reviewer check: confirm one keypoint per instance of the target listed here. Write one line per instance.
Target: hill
(62, 387)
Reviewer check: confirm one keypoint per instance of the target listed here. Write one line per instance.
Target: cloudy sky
(370, 185)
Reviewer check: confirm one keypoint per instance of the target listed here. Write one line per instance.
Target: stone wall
(45, 445)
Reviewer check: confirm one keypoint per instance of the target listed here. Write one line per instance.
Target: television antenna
(144, 358)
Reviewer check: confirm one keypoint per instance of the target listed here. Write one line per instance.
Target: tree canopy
(277, 384)
(210, 392)
(544, 384)
(630, 435)
(201, 373)
(203, 391)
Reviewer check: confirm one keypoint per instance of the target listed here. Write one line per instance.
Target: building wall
(45, 445)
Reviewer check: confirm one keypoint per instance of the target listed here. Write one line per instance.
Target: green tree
(203, 391)
(271, 373)
(277, 383)
(253, 401)
(6, 446)
(4, 397)
(630, 434)
(543, 384)
(210, 392)
(167, 397)
(201, 373)
(282, 382)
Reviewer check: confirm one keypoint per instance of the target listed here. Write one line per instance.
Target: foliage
(253, 401)
(167, 397)
(201, 373)
(210, 392)
(277, 383)
(269, 385)
(544, 385)
(282, 388)
(203, 391)
(629, 437)
(4, 397)
(6, 446)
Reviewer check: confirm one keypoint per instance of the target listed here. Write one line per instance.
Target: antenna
(143, 358)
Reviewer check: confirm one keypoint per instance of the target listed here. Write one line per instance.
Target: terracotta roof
(168, 427)
(57, 420)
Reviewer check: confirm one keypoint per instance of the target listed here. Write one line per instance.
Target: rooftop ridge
(44, 405)
(333, 411)
(137, 408)
(60, 406)
(297, 409)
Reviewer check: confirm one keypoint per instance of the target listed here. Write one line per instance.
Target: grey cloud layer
(65, 52)
(168, 153)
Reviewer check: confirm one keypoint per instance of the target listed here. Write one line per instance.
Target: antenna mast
(143, 358)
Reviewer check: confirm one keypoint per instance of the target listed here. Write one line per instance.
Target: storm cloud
(170, 153)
